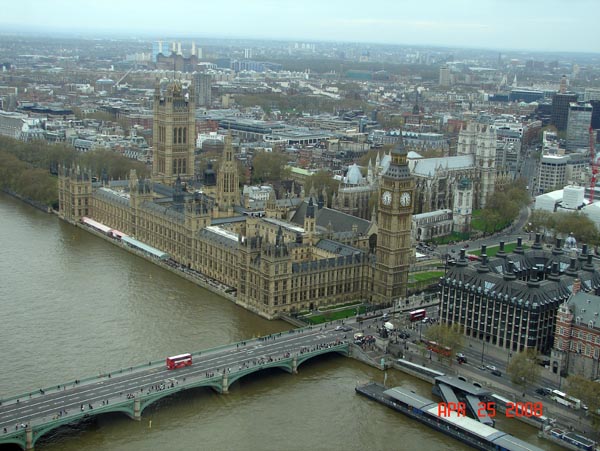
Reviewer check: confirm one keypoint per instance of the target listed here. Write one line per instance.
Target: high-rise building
(202, 86)
(396, 193)
(174, 130)
(445, 76)
(552, 172)
(560, 109)
(578, 125)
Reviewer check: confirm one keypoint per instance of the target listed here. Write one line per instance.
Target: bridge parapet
(217, 368)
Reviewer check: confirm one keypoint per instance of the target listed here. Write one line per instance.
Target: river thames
(73, 305)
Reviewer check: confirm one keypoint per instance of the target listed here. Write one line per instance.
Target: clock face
(405, 199)
(386, 198)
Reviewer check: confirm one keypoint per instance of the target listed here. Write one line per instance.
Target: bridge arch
(343, 350)
(285, 365)
(147, 400)
(17, 439)
(38, 432)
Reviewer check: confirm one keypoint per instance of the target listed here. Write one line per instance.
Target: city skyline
(491, 24)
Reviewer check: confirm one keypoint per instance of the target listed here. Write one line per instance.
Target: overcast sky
(549, 25)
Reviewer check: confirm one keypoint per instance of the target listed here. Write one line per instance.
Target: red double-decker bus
(179, 361)
(416, 315)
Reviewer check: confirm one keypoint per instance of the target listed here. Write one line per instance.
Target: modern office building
(560, 109)
(511, 300)
(578, 125)
(552, 172)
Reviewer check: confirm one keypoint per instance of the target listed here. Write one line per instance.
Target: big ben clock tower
(396, 194)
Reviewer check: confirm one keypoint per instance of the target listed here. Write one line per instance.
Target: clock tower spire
(396, 193)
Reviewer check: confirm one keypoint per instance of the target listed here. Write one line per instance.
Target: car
(461, 358)
(339, 328)
(346, 328)
(542, 391)
(491, 367)
(404, 335)
(425, 320)
(496, 373)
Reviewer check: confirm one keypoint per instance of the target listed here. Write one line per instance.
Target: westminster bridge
(27, 417)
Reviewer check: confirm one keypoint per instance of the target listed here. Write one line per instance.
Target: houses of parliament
(299, 256)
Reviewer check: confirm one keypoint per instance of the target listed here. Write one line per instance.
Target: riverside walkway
(27, 417)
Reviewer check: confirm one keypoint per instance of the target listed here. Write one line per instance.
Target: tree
(503, 206)
(116, 165)
(524, 369)
(588, 392)
(446, 336)
(269, 167)
(541, 221)
(579, 224)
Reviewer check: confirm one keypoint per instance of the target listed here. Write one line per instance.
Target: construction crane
(118, 83)
(594, 164)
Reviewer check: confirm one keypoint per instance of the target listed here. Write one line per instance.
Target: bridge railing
(150, 364)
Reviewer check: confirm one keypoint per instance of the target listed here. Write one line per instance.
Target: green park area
(333, 315)
(421, 280)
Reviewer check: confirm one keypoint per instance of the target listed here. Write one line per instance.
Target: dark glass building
(560, 109)
(511, 300)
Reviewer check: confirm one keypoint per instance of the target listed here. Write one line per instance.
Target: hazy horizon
(532, 25)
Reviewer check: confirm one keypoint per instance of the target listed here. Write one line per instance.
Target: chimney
(576, 286)
(538, 241)
(501, 253)
(509, 274)
(519, 248)
(572, 269)
(558, 247)
(554, 274)
(534, 280)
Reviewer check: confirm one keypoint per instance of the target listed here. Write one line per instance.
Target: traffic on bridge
(25, 418)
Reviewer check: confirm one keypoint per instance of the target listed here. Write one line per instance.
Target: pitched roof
(429, 166)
